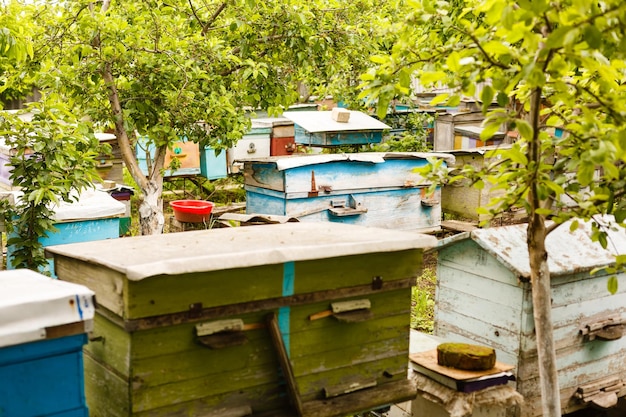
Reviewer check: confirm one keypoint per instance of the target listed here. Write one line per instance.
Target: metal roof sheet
(294, 161)
(322, 121)
(568, 252)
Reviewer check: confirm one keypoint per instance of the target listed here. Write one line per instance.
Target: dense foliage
(551, 67)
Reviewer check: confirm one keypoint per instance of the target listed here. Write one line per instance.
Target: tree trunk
(542, 312)
(151, 219)
(540, 278)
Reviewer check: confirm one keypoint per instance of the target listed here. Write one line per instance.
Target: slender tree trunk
(540, 280)
(151, 219)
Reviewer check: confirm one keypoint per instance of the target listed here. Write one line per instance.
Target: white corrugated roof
(568, 252)
(294, 161)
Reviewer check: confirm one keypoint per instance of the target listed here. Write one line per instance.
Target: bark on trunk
(542, 311)
(540, 278)
(151, 219)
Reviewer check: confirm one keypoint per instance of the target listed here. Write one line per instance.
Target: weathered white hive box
(484, 296)
(183, 320)
(368, 188)
(254, 144)
(317, 128)
(444, 136)
(460, 198)
(43, 327)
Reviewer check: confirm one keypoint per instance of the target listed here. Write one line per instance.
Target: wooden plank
(108, 285)
(251, 383)
(107, 394)
(457, 225)
(361, 401)
(285, 364)
(110, 345)
(383, 370)
(63, 330)
(162, 295)
(263, 305)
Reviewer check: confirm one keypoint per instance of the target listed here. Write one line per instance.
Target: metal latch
(349, 207)
(607, 328)
(602, 393)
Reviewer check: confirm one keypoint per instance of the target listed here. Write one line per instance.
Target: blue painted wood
(213, 166)
(387, 194)
(392, 208)
(336, 138)
(43, 378)
(75, 232)
(481, 300)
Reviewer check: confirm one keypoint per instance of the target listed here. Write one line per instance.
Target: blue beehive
(368, 189)
(95, 216)
(43, 326)
(317, 128)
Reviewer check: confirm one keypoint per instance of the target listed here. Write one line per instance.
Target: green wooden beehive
(187, 323)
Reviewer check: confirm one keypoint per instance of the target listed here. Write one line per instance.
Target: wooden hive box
(317, 128)
(43, 327)
(484, 297)
(445, 124)
(282, 136)
(460, 198)
(254, 144)
(159, 297)
(369, 189)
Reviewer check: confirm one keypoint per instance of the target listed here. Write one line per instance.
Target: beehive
(368, 189)
(484, 296)
(183, 319)
(43, 327)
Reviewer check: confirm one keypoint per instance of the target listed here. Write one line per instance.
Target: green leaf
(502, 99)
(524, 129)
(592, 36)
(439, 98)
(431, 77)
(486, 97)
(620, 215)
(452, 61)
(612, 285)
(489, 130)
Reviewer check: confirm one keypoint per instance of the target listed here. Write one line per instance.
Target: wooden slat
(285, 364)
(262, 305)
(361, 401)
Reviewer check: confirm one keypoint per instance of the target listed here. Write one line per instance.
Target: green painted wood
(312, 386)
(350, 356)
(204, 388)
(262, 399)
(180, 339)
(171, 294)
(203, 362)
(166, 294)
(321, 340)
(106, 393)
(110, 344)
(349, 271)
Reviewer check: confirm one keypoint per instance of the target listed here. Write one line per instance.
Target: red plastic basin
(192, 211)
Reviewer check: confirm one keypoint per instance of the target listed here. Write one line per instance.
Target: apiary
(484, 296)
(303, 317)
